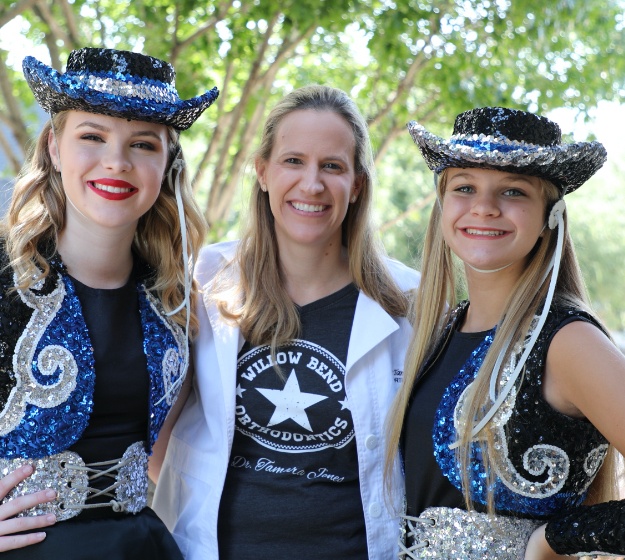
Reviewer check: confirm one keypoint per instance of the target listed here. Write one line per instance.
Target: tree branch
(74, 34)
(14, 161)
(179, 46)
(17, 9)
(237, 113)
(223, 123)
(18, 128)
(404, 85)
(43, 11)
(414, 207)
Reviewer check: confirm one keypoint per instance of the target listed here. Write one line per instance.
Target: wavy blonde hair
(258, 300)
(36, 215)
(440, 279)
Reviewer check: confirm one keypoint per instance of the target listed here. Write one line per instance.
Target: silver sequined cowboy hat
(115, 83)
(512, 141)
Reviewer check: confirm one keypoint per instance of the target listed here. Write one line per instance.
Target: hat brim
(57, 92)
(568, 166)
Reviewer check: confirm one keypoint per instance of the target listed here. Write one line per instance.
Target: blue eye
(514, 193)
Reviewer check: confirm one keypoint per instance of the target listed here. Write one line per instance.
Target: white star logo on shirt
(240, 391)
(291, 403)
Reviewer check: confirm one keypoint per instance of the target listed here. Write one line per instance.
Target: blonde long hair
(36, 215)
(439, 282)
(262, 307)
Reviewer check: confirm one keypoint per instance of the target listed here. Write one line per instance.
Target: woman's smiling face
(310, 177)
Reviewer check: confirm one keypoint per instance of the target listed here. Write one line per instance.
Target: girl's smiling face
(112, 168)
(492, 219)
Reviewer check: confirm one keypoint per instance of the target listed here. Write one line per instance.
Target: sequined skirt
(456, 534)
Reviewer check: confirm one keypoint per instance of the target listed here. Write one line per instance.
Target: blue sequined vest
(544, 460)
(47, 375)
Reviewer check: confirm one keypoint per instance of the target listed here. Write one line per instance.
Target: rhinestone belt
(69, 476)
(464, 535)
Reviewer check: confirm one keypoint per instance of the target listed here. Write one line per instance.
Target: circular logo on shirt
(305, 409)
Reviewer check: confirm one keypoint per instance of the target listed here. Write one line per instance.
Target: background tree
(410, 59)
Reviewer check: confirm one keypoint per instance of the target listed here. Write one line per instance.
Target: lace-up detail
(411, 542)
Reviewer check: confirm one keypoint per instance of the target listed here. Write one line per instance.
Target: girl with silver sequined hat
(96, 308)
(512, 401)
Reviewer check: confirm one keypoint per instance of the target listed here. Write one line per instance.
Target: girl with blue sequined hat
(96, 308)
(511, 404)
(121, 84)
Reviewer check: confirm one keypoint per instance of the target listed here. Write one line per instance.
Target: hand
(9, 524)
(538, 548)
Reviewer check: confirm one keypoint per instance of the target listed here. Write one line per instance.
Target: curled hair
(266, 314)
(36, 216)
(440, 278)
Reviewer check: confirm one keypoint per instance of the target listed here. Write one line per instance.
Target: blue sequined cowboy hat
(116, 83)
(512, 141)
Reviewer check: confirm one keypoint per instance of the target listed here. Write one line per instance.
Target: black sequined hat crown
(115, 83)
(512, 141)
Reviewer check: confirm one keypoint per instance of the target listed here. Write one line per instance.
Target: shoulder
(578, 338)
(407, 278)
(213, 258)
(582, 362)
(572, 333)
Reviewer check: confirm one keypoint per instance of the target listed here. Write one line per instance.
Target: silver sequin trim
(455, 534)
(147, 91)
(67, 474)
(537, 460)
(51, 359)
(174, 371)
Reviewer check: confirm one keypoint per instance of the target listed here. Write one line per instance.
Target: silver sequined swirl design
(51, 359)
(537, 460)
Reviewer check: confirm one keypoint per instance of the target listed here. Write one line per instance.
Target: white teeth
(308, 207)
(108, 188)
(489, 233)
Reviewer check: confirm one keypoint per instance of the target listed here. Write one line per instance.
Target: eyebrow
(511, 177)
(301, 154)
(97, 126)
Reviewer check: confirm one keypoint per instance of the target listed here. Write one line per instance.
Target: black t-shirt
(426, 486)
(292, 488)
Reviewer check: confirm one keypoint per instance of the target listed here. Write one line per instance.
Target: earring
(263, 187)
(353, 199)
(56, 168)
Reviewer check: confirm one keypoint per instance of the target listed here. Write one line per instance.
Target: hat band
(151, 92)
(491, 144)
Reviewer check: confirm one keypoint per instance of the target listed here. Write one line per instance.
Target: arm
(159, 448)
(9, 524)
(585, 377)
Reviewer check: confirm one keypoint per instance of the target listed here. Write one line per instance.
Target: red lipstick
(112, 189)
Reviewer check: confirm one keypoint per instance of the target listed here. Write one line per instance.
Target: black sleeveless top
(121, 396)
